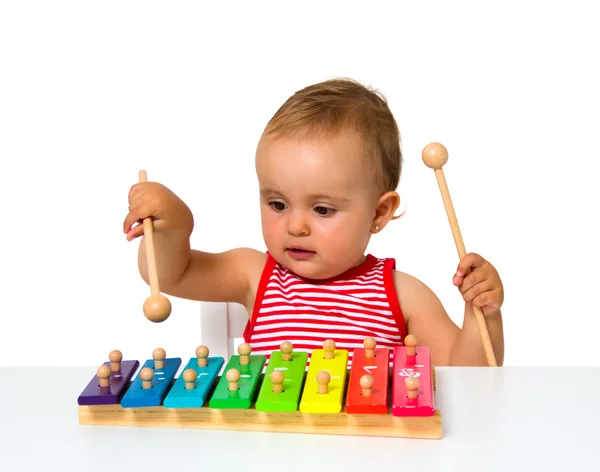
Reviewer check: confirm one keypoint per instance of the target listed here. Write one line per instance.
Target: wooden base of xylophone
(424, 427)
(373, 398)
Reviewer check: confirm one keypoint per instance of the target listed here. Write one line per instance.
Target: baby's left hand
(479, 283)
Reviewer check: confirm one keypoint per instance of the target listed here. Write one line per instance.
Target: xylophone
(325, 395)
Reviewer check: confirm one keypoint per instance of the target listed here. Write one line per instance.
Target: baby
(328, 165)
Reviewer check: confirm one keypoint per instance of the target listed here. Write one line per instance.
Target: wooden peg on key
(411, 345)
(366, 384)
(329, 348)
(412, 384)
(189, 377)
(115, 357)
(244, 351)
(323, 379)
(146, 374)
(202, 355)
(277, 379)
(370, 344)
(157, 307)
(103, 376)
(159, 355)
(233, 377)
(286, 349)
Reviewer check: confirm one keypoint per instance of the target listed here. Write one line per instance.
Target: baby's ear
(385, 208)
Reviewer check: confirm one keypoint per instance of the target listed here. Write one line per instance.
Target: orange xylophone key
(368, 385)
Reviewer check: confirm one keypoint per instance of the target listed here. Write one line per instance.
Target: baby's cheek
(338, 236)
(268, 228)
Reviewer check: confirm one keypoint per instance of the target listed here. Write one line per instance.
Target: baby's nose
(298, 225)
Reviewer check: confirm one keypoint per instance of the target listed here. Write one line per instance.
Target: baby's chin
(313, 269)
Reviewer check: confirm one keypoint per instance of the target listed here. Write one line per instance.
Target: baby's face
(317, 203)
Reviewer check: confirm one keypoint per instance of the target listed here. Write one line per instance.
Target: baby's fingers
(135, 232)
(131, 218)
(468, 263)
(476, 293)
(488, 301)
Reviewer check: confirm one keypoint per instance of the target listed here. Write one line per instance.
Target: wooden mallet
(435, 155)
(157, 307)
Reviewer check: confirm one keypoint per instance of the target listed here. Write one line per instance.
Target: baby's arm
(429, 322)
(229, 276)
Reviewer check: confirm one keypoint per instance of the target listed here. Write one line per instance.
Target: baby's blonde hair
(322, 110)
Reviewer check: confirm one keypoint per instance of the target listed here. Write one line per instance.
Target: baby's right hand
(154, 200)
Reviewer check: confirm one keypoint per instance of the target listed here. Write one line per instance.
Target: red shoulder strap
(390, 290)
(260, 293)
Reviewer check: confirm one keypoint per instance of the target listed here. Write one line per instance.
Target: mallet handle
(149, 242)
(460, 246)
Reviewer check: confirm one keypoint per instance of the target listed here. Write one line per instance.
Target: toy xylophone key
(282, 384)
(325, 380)
(412, 386)
(196, 381)
(368, 385)
(117, 375)
(238, 386)
(153, 382)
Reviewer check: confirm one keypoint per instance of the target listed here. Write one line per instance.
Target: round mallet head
(157, 308)
(435, 155)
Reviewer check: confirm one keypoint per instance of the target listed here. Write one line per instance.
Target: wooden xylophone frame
(382, 425)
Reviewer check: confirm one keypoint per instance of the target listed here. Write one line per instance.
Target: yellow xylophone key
(325, 380)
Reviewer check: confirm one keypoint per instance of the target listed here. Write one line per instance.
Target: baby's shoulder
(413, 294)
(252, 260)
(404, 281)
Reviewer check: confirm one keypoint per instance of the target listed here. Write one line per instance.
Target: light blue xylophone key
(180, 397)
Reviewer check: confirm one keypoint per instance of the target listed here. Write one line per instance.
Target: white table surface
(508, 419)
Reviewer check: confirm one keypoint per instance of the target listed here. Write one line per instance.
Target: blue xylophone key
(136, 396)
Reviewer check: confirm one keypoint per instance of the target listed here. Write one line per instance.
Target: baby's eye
(324, 211)
(277, 206)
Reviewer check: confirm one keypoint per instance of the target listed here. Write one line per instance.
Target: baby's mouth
(299, 252)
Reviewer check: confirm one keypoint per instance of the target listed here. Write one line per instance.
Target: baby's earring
(376, 227)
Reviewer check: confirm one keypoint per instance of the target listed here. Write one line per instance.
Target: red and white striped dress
(360, 303)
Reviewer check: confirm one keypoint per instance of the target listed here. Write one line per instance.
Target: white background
(91, 92)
